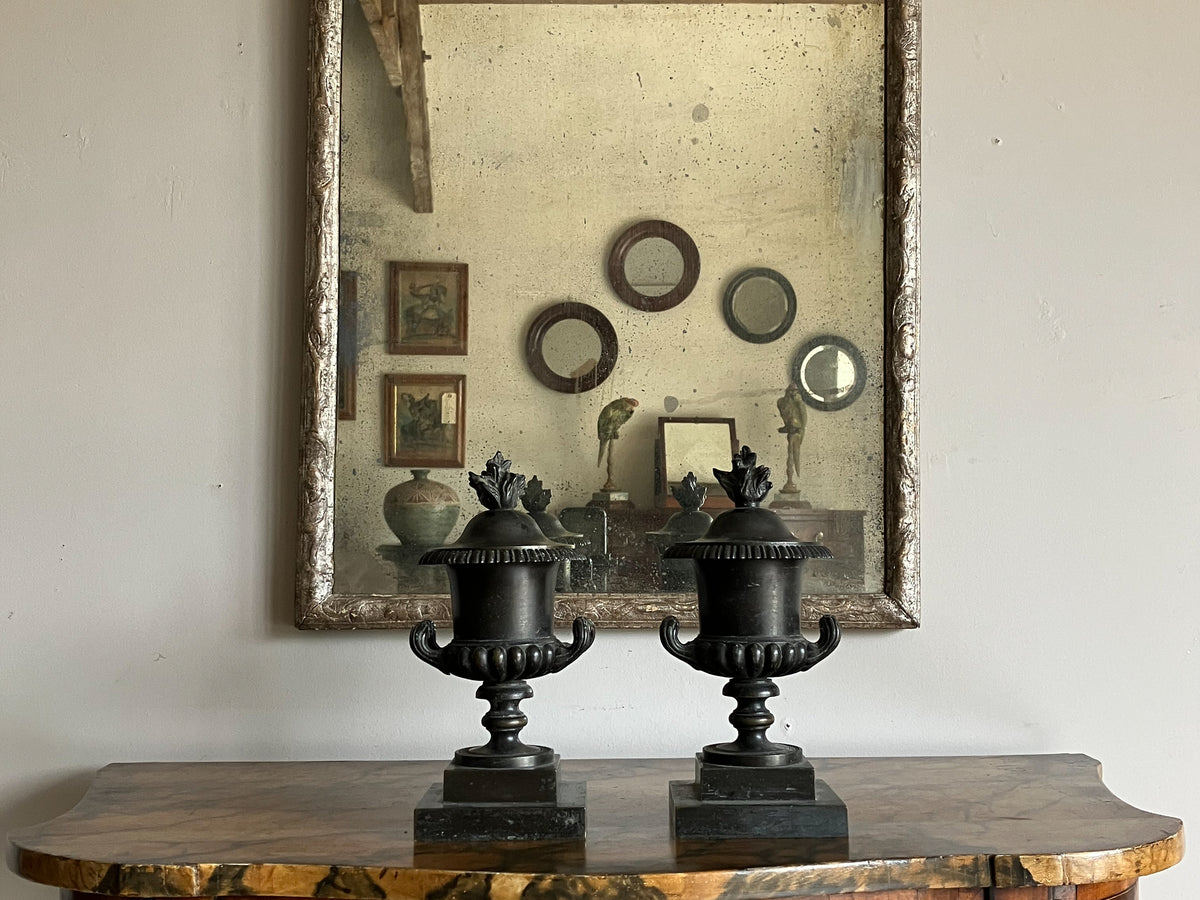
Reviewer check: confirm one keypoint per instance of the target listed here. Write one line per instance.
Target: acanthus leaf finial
(535, 497)
(689, 493)
(497, 487)
(747, 483)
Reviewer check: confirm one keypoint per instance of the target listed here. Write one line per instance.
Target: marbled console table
(953, 828)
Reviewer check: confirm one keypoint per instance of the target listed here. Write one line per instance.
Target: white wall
(151, 169)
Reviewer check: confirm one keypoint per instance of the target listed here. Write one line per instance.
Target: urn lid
(747, 531)
(691, 521)
(501, 533)
(535, 498)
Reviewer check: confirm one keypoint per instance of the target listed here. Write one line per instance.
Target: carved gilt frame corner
(897, 606)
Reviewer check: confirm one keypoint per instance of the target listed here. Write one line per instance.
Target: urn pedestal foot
(529, 804)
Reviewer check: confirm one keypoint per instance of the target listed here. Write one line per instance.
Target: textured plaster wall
(757, 129)
(151, 164)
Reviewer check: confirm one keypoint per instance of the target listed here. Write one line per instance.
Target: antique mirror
(571, 347)
(654, 265)
(830, 372)
(521, 144)
(696, 445)
(759, 305)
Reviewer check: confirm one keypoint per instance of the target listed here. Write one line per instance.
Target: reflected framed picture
(423, 421)
(696, 445)
(347, 346)
(427, 308)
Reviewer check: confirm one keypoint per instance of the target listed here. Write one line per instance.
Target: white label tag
(450, 408)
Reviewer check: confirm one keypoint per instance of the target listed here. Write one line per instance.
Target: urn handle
(584, 632)
(423, 640)
(668, 633)
(831, 634)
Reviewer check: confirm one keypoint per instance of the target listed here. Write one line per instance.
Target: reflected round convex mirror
(830, 372)
(759, 305)
(653, 265)
(571, 347)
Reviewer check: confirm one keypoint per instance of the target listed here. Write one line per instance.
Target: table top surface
(317, 829)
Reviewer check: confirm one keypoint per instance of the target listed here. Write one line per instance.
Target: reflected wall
(757, 129)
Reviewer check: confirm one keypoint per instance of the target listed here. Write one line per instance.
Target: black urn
(502, 571)
(749, 581)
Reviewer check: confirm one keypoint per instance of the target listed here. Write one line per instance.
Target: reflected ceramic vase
(421, 512)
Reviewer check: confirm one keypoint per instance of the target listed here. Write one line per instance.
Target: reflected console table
(938, 828)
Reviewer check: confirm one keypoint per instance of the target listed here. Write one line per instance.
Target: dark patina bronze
(688, 524)
(536, 498)
(749, 571)
(502, 571)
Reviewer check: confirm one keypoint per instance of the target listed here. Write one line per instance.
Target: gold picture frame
(427, 308)
(424, 419)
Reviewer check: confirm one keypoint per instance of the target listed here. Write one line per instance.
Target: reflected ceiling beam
(396, 27)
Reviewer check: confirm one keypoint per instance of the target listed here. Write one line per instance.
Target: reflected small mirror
(696, 445)
(759, 305)
(571, 347)
(654, 265)
(830, 372)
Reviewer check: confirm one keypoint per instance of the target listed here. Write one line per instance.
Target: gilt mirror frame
(896, 606)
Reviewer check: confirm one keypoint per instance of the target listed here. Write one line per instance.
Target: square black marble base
(695, 819)
(563, 819)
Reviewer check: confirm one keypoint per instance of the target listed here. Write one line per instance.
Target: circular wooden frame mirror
(669, 256)
(830, 372)
(759, 305)
(596, 362)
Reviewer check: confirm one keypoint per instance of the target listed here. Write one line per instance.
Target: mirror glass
(571, 348)
(653, 266)
(830, 373)
(697, 447)
(534, 170)
(760, 304)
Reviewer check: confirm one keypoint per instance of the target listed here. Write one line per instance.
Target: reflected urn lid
(501, 533)
(747, 531)
(535, 498)
(691, 521)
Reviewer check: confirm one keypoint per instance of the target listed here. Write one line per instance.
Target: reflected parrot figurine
(612, 417)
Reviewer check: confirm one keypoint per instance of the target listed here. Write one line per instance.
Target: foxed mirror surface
(757, 128)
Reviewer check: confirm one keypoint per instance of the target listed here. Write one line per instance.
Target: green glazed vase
(421, 512)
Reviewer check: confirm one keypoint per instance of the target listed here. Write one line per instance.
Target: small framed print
(427, 308)
(347, 346)
(423, 421)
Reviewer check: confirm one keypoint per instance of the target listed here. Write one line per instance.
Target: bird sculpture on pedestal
(795, 421)
(612, 417)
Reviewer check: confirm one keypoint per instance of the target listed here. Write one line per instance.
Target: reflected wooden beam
(396, 27)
